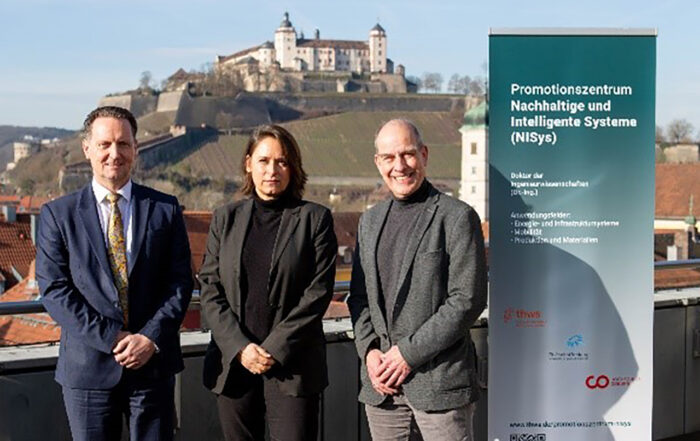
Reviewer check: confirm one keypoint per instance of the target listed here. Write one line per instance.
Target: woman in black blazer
(267, 279)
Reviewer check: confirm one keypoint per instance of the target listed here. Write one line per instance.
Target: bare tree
(477, 86)
(222, 82)
(660, 135)
(679, 130)
(432, 81)
(459, 84)
(145, 80)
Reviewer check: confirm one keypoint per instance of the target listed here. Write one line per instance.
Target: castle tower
(474, 185)
(377, 49)
(285, 43)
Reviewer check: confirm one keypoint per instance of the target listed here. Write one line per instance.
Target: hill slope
(337, 146)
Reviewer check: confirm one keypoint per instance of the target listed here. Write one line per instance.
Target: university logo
(574, 341)
(604, 381)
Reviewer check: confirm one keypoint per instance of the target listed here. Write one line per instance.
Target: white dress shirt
(104, 210)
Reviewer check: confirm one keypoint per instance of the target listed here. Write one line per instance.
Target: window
(473, 189)
(473, 170)
(380, 52)
(473, 148)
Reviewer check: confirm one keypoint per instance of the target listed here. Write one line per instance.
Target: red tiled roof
(239, 53)
(337, 309)
(16, 250)
(674, 185)
(32, 203)
(676, 278)
(9, 199)
(26, 328)
(197, 224)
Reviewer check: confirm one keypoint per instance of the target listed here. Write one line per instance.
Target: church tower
(285, 43)
(474, 185)
(377, 49)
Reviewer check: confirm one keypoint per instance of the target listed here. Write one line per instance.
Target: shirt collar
(101, 192)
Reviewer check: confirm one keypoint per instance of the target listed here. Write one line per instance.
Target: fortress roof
(336, 44)
(225, 58)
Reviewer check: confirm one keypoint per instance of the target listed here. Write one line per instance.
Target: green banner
(571, 190)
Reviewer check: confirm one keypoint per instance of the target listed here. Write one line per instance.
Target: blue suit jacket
(78, 290)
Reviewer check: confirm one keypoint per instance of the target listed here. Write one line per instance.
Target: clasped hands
(256, 359)
(133, 350)
(387, 370)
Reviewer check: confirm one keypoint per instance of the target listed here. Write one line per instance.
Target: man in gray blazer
(418, 284)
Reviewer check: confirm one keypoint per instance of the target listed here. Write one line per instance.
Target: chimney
(317, 34)
(680, 240)
(672, 252)
(10, 213)
(33, 224)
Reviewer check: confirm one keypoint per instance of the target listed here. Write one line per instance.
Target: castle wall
(338, 103)
(169, 101)
(174, 149)
(139, 105)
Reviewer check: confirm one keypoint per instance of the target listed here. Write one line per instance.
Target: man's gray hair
(415, 133)
(108, 112)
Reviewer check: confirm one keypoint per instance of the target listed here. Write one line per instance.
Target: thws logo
(604, 381)
(524, 318)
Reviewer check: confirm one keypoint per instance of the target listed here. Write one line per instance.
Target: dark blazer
(78, 290)
(441, 292)
(301, 282)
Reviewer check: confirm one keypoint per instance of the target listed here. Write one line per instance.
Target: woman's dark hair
(297, 178)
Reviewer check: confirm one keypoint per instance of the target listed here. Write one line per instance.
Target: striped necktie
(117, 253)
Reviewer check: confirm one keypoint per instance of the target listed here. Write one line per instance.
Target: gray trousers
(397, 420)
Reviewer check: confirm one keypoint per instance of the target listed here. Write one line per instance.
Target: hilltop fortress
(316, 55)
(293, 63)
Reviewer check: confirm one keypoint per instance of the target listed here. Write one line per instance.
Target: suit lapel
(376, 226)
(87, 208)
(288, 223)
(422, 224)
(141, 207)
(234, 241)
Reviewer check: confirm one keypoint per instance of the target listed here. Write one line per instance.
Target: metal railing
(36, 307)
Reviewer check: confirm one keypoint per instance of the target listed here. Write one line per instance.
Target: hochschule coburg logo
(523, 318)
(603, 381)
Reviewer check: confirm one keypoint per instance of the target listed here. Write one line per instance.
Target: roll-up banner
(571, 134)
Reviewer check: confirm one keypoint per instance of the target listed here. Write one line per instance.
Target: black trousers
(249, 399)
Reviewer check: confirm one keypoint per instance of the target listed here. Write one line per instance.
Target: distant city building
(681, 153)
(298, 54)
(24, 149)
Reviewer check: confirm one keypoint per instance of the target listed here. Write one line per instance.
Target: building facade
(474, 183)
(294, 53)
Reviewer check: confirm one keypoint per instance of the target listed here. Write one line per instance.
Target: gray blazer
(441, 292)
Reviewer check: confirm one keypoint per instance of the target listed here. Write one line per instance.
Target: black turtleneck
(256, 262)
(399, 226)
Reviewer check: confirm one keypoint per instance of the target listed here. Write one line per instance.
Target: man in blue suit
(113, 266)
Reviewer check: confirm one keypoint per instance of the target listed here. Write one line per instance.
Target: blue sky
(58, 57)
